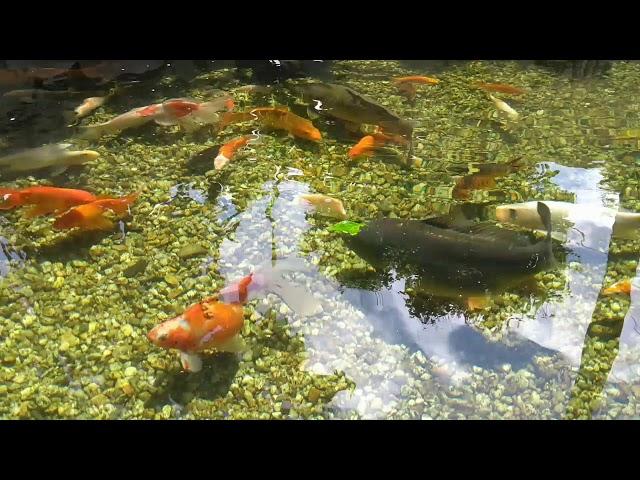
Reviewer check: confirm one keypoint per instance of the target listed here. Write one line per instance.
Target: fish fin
(165, 121)
(220, 161)
(545, 216)
(55, 171)
(91, 132)
(37, 211)
(477, 303)
(100, 223)
(204, 155)
(190, 124)
(235, 344)
(191, 362)
(493, 231)
(298, 299)
(312, 113)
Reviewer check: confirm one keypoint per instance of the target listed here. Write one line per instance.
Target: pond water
(334, 240)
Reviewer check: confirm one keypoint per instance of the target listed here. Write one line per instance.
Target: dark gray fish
(350, 106)
(456, 261)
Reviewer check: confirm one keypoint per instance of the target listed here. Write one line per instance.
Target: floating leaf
(352, 228)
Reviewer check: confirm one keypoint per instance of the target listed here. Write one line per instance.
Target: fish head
(308, 132)
(523, 215)
(70, 219)
(9, 199)
(172, 333)
(82, 156)
(80, 216)
(363, 147)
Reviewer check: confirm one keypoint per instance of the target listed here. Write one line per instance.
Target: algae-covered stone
(192, 250)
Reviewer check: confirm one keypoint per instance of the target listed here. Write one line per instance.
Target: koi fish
(188, 113)
(500, 87)
(88, 105)
(228, 150)
(504, 107)
(416, 79)
(91, 216)
(623, 286)
(364, 147)
(345, 104)
(131, 119)
(626, 224)
(324, 205)
(369, 143)
(56, 156)
(456, 260)
(278, 118)
(216, 322)
(45, 200)
(30, 95)
(483, 178)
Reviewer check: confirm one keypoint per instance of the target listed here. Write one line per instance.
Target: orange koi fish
(216, 322)
(203, 326)
(500, 87)
(91, 216)
(416, 79)
(364, 147)
(369, 143)
(623, 286)
(483, 177)
(406, 85)
(229, 149)
(45, 200)
(278, 118)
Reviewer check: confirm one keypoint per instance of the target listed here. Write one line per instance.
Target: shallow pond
(430, 324)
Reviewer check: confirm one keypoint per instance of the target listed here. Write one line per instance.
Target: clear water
(76, 306)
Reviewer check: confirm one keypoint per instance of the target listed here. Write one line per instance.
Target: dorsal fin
(493, 231)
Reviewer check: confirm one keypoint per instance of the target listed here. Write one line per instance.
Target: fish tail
(91, 132)
(131, 198)
(10, 198)
(270, 279)
(208, 111)
(298, 298)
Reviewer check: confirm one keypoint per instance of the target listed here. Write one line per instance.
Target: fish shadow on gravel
(212, 382)
(65, 249)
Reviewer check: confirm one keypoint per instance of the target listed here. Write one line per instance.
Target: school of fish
(464, 262)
